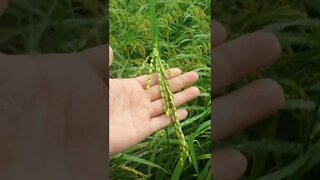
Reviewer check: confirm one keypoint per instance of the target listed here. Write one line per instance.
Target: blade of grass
(193, 152)
(153, 20)
(142, 161)
(205, 172)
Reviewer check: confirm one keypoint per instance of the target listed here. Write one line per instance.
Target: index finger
(243, 56)
(143, 80)
(218, 33)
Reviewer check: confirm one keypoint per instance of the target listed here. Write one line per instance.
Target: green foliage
(179, 32)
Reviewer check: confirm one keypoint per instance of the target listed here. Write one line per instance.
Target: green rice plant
(134, 171)
(159, 66)
(181, 38)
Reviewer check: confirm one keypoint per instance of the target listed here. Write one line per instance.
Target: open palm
(233, 60)
(135, 113)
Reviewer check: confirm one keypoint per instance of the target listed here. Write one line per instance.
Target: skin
(53, 116)
(135, 112)
(233, 112)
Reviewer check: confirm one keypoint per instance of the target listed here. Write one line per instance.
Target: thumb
(97, 56)
(110, 55)
(3, 5)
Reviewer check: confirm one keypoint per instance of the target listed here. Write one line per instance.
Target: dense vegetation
(184, 42)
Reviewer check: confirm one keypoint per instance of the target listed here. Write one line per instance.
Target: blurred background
(37, 26)
(287, 145)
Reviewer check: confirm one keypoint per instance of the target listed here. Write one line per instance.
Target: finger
(179, 99)
(3, 6)
(243, 56)
(97, 56)
(246, 106)
(163, 121)
(143, 80)
(175, 84)
(218, 33)
(224, 161)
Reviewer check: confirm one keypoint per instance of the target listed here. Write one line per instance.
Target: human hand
(232, 61)
(135, 112)
(53, 115)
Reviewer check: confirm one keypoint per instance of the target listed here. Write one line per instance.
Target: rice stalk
(159, 66)
(134, 171)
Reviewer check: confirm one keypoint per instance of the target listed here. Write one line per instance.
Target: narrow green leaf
(153, 20)
(142, 161)
(204, 173)
(177, 171)
(193, 152)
